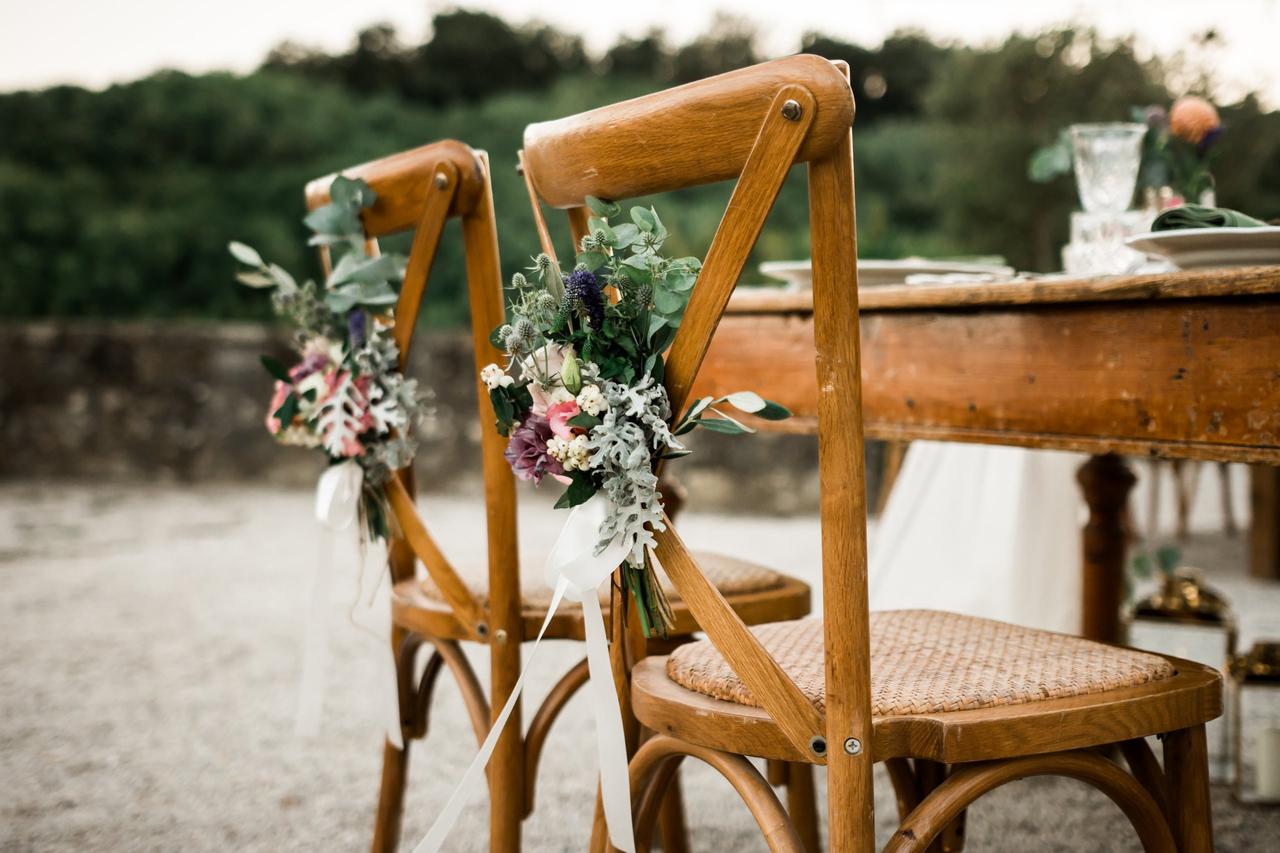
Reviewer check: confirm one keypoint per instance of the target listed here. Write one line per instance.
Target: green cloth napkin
(1195, 216)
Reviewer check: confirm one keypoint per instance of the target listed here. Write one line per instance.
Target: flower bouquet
(1177, 150)
(345, 395)
(1179, 147)
(581, 397)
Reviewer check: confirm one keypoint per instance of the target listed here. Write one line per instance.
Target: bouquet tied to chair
(581, 395)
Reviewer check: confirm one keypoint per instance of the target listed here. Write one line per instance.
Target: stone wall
(186, 401)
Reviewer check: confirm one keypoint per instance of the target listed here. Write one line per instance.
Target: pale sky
(98, 42)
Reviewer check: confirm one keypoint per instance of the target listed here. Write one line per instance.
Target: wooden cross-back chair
(420, 190)
(955, 706)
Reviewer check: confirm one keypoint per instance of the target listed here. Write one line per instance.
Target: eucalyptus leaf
(282, 277)
(353, 268)
(602, 208)
(245, 254)
(333, 220)
(593, 260)
(726, 426)
(644, 218)
(594, 225)
(659, 230)
(625, 234)
(773, 412)
(255, 279)
(746, 401)
(668, 301)
(339, 303)
(698, 406)
(275, 368)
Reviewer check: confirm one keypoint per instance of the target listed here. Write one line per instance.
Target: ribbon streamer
(337, 509)
(577, 573)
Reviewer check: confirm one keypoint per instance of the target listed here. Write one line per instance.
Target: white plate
(1193, 248)
(799, 274)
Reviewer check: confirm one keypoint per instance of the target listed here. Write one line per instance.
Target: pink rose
(559, 415)
(544, 366)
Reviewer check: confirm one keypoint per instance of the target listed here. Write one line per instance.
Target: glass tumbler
(1107, 157)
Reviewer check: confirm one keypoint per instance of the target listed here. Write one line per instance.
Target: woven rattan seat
(730, 575)
(926, 661)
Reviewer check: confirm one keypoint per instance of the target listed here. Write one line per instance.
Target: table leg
(1264, 530)
(1106, 481)
(894, 454)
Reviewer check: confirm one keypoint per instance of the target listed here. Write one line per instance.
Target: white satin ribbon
(575, 572)
(337, 506)
(338, 495)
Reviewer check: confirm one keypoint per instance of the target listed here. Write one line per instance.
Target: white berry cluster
(591, 400)
(495, 377)
(574, 454)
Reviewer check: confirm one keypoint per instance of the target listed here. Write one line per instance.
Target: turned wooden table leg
(895, 452)
(1264, 528)
(1106, 481)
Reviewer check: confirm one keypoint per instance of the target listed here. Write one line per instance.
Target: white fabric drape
(985, 531)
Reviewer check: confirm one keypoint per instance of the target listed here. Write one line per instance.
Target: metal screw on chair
(853, 746)
(441, 181)
(818, 744)
(791, 110)
(500, 636)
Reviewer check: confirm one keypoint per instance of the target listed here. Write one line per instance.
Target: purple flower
(1207, 142)
(527, 450)
(582, 293)
(356, 328)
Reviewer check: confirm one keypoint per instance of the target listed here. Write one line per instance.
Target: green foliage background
(120, 203)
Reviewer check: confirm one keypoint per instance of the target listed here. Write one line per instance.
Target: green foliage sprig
(581, 398)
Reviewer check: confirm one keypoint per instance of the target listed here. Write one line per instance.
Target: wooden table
(1180, 365)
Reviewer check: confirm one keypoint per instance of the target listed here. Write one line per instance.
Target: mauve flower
(1192, 119)
(318, 354)
(527, 450)
(559, 414)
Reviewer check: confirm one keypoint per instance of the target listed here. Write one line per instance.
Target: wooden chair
(497, 604)
(973, 703)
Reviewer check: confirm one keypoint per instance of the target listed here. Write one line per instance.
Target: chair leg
(931, 774)
(395, 776)
(1186, 767)
(802, 805)
(672, 832)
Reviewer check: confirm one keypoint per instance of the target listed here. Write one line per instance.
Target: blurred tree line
(120, 203)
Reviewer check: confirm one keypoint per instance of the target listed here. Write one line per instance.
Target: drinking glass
(1107, 157)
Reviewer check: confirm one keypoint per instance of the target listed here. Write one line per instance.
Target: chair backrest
(753, 125)
(420, 190)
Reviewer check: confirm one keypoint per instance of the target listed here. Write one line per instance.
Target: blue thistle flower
(582, 292)
(356, 329)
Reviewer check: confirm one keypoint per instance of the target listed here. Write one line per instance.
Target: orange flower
(1192, 119)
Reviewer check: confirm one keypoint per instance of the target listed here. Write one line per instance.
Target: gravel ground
(152, 641)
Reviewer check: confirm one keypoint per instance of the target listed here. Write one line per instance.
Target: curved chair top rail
(402, 182)
(698, 133)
